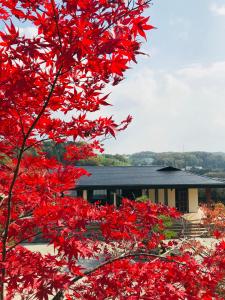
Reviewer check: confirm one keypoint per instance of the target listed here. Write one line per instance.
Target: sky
(176, 95)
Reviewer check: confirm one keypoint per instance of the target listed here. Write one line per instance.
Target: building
(167, 185)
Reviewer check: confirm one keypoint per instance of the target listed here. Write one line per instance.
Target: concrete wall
(193, 200)
(171, 198)
(161, 194)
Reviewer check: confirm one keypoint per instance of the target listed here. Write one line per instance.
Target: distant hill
(199, 160)
(212, 163)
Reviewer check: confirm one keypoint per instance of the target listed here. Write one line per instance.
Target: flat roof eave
(152, 186)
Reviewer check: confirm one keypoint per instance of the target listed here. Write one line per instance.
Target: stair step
(194, 232)
(189, 229)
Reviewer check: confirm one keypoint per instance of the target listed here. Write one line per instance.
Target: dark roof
(146, 176)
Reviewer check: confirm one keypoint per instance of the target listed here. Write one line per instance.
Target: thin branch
(40, 141)
(147, 2)
(57, 23)
(32, 236)
(112, 260)
(125, 256)
(59, 295)
(16, 171)
(23, 240)
(21, 122)
(172, 249)
(38, 8)
(2, 201)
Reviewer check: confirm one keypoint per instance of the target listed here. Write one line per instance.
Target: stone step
(195, 231)
(190, 229)
(204, 234)
(187, 228)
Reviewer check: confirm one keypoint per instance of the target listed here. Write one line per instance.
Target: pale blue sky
(188, 32)
(177, 96)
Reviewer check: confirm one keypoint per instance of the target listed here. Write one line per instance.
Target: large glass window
(100, 193)
(72, 193)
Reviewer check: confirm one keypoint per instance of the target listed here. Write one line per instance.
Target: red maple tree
(50, 84)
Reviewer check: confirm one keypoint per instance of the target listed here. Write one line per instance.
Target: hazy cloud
(29, 31)
(183, 109)
(218, 9)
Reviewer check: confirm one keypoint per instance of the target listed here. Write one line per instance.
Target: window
(72, 193)
(100, 193)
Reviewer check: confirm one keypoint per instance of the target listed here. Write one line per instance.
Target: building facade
(166, 185)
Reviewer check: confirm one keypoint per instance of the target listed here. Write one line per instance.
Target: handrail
(184, 225)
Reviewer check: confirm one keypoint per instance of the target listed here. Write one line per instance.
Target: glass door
(182, 200)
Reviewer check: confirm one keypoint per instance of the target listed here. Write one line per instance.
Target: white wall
(193, 200)
(171, 198)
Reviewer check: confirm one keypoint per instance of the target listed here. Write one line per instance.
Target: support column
(192, 200)
(114, 199)
(85, 194)
(171, 198)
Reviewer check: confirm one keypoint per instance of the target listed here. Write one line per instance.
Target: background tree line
(205, 163)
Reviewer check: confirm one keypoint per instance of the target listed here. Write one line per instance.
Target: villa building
(166, 185)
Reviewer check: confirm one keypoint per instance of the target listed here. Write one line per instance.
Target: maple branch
(125, 14)
(23, 240)
(38, 8)
(59, 295)
(125, 256)
(2, 201)
(172, 249)
(16, 171)
(57, 24)
(21, 153)
(21, 122)
(41, 141)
